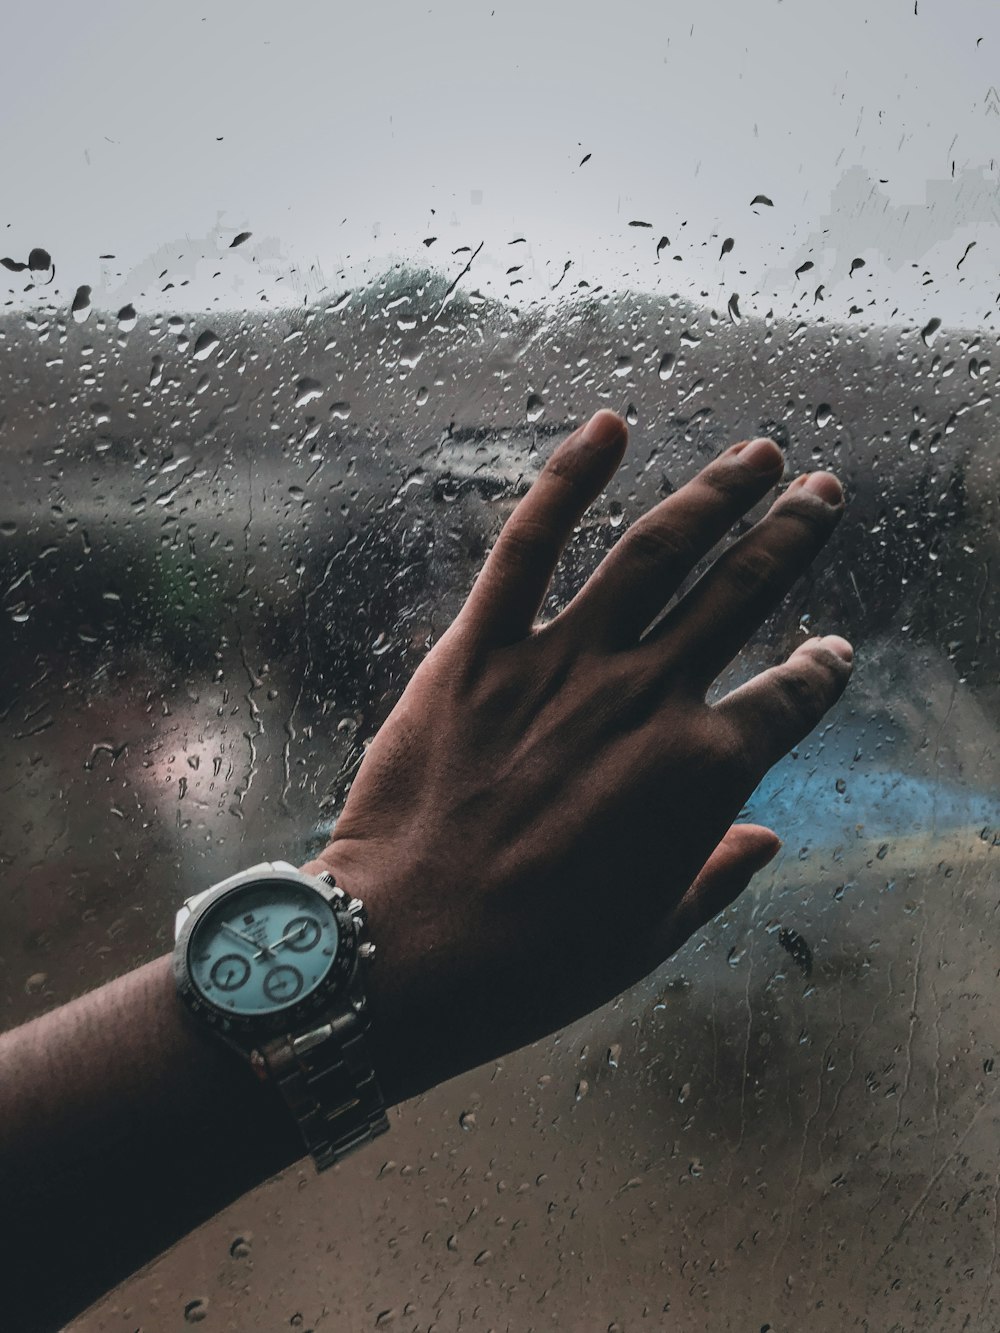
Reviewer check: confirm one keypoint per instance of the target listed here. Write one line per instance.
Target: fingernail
(839, 646)
(603, 428)
(825, 485)
(762, 455)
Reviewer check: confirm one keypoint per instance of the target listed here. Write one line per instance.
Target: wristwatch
(273, 961)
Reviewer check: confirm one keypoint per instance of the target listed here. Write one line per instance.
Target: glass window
(295, 305)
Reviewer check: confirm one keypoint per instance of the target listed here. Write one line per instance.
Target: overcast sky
(341, 136)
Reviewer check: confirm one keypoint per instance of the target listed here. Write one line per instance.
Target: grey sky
(331, 132)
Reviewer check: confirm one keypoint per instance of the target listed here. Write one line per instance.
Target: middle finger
(643, 570)
(706, 629)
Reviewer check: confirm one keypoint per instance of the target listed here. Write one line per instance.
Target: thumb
(744, 850)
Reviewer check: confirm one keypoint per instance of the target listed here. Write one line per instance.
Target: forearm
(121, 1130)
(124, 1125)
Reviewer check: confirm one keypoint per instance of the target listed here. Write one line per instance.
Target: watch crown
(327, 877)
(357, 908)
(366, 950)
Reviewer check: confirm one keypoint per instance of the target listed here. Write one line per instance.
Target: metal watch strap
(324, 1074)
(327, 1079)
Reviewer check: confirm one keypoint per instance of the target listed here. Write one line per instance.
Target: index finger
(512, 584)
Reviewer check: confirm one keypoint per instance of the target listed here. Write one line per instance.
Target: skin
(564, 790)
(546, 815)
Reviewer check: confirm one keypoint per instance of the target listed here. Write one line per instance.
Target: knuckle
(659, 545)
(727, 482)
(801, 693)
(732, 755)
(525, 540)
(754, 569)
(722, 759)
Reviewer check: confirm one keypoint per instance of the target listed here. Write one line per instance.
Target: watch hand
(269, 948)
(246, 940)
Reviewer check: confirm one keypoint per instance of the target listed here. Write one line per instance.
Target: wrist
(417, 1038)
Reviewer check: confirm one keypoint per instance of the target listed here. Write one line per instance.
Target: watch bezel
(333, 987)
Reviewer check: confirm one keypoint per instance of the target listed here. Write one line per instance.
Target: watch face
(263, 947)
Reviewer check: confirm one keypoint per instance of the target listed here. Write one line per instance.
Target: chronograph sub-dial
(283, 983)
(230, 972)
(262, 949)
(302, 934)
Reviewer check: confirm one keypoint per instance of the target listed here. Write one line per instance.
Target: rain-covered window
(296, 302)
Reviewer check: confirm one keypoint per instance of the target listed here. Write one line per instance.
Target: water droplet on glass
(239, 239)
(666, 365)
(340, 410)
(307, 391)
(824, 414)
(727, 246)
(535, 406)
(582, 1088)
(631, 414)
(929, 330)
(614, 1054)
(240, 1248)
(205, 345)
(734, 308)
(422, 395)
(483, 1257)
(855, 265)
(195, 1311)
(467, 1120)
(39, 261)
(81, 304)
(127, 318)
(623, 365)
(684, 1093)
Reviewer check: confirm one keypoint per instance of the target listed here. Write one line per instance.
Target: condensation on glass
(220, 570)
(227, 540)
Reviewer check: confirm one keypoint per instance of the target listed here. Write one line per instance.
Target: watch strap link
(326, 1077)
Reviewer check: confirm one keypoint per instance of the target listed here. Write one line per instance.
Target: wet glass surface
(227, 538)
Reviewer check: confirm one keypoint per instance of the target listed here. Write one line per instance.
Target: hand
(547, 812)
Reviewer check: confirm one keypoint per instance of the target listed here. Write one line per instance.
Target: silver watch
(274, 961)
